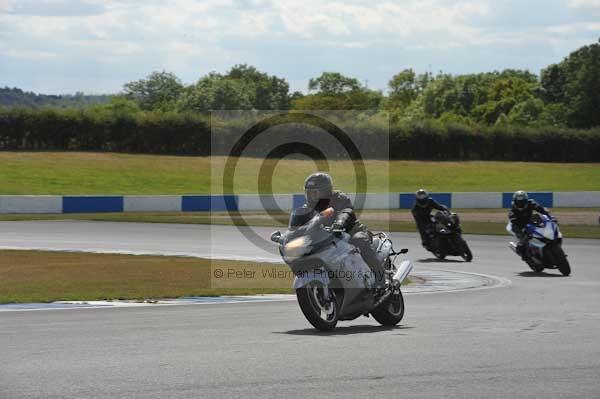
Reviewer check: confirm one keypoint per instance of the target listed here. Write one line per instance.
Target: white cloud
(197, 26)
(193, 37)
(313, 18)
(28, 54)
(575, 28)
(583, 3)
(5, 5)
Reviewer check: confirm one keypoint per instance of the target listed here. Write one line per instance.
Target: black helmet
(317, 186)
(421, 196)
(520, 199)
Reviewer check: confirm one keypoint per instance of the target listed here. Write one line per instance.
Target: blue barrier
(89, 204)
(199, 203)
(407, 200)
(544, 199)
(298, 200)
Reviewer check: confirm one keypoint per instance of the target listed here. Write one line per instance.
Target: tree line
(566, 94)
(14, 97)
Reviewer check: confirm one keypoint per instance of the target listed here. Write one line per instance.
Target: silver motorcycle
(331, 279)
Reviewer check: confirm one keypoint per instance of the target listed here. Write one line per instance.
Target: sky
(95, 46)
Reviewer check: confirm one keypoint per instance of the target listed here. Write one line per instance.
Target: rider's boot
(521, 250)
(381, 276)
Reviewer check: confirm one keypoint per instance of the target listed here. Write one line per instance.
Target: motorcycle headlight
(297, 247)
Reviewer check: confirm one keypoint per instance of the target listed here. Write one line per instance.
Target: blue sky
(63, 46)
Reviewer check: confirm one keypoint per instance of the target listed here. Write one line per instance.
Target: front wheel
(561, 260)
(321, 312)
(467, 255)
(439, 248)
(391, 312)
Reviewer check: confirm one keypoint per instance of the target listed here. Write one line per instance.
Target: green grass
(41, 276)
(38, 276)
(62, 173)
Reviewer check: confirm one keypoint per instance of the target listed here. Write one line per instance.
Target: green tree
(242, 87)
(335, 91)
(333, 83)
(404, 87)
(553, 115)
(269, 92)
(575, 82)
(159, 91)
(503, 95)
(215, 92)
(526, 112)
(118, 106)
(553, 81)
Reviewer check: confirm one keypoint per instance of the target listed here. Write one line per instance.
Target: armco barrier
(265, 202)
(198, 203)
(407, 200)
(544, 199)
(477, 200)
(92, 204)
(31, 204)
(577, 199)
(285, 202)
(148, 203)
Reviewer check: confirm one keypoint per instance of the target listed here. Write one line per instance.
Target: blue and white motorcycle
(544, 247)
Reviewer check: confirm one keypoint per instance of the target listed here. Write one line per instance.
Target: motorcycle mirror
(403, 250)
(276, 236)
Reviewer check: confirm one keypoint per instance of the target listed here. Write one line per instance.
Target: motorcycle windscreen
(300, 216)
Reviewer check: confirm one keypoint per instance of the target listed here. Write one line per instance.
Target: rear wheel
(561, 260)
(533, 259)
(536, 268)
(321, 312)
(391, 312)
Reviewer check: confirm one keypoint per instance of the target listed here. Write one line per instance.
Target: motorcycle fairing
(302, 279)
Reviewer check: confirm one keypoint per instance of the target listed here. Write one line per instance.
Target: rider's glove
(337, 226)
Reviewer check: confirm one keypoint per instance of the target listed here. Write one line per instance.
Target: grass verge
(39, 276)
(63, 173)
(42, 276)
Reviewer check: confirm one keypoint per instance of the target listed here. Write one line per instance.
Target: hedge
(190, 134)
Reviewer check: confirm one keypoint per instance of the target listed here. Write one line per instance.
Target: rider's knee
(361, 239)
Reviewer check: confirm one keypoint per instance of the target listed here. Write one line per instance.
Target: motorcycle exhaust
(403, 271)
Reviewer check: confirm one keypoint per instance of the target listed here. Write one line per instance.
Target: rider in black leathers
(520, 215)
(319, 195)
(421, 212)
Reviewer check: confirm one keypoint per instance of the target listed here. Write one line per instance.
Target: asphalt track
(536, 338)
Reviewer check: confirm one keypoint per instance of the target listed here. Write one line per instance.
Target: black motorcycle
(445, 237)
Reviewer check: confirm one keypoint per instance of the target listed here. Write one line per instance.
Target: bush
(104, 129)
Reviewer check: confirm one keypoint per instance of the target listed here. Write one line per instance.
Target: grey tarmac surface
(535, 338)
